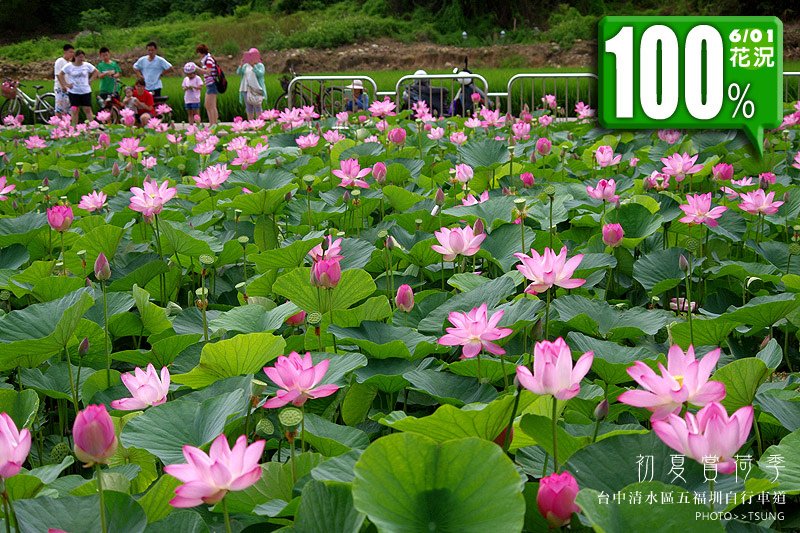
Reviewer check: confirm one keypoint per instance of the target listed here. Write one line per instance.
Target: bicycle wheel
(333, 101)
(282, 102)
(10, 107)
(45, 108)
(116, 118)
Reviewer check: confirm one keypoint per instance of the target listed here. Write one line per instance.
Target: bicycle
(326, 100)
(43, 106)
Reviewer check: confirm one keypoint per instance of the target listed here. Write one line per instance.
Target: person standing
(192, 85)
(251, 70)
(108, 84)
(208, 68)
(76, 79)
(62, 100)
(150, 68)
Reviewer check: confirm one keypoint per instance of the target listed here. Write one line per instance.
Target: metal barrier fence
(329, 95)
(326, 99)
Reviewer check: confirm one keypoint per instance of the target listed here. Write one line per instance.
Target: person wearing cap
(359, 100)
(192, 85)
(252, 90)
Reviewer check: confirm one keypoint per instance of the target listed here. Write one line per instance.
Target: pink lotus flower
(460, 138)
(709, 434)
(475, 332)
(457, 241)
(605, 191)
(543, 145)
(94, 436)
(149, 162)
(464, 172)
(163, 109)
(553, 372)
(35, 143)
(290, 118)
(549, 100)
(174, 139)
(308, 113)
(379, 172)
(556, 498)
(612, 235)
(583, 111)
(333, 251)
(332, 136)
(656, 180)
(549, 269)
(685, 380)
(350, 174)
(245, 156)
(212, 177)
(326, 273)
(343, 117)
(14, 447)
(670, 136)
(12, 121)
(396, 136)
(680, 166)
(472, 123)
(420, 108)
(382, 108)
(527, 179)
(5, 188)
(299, 380)
(146, 389)
(681, 304)
(128, 116)
(404, 298)
(471, 200)
(492, 118)
(60, 217)
(744, 182)
(307, 141)
(758, 203)
(722, 171)
(766, 179)
(93, 201)
(796, 163)
(296, 319)
(436, 133)
(381, 125)
(729, 193)
(150, 200)
(208, 478)
(633, 161)
(545, 120)
(129, 147)
(698, 210)
(605, 156)
(521, 131)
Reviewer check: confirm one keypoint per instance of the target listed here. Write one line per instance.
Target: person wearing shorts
(192, 85)
(208, 68)
(108, 85)
(76, 79)
(62, 100)
(150, 68)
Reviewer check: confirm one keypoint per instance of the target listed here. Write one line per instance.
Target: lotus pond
(393, 322)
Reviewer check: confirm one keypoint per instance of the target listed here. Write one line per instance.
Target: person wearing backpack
(212, 74)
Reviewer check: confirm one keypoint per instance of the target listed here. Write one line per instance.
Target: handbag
(253, 98)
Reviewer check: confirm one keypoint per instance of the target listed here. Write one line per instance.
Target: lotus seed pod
(794, 249)
(382, 234)
(243, 240)
(692, 245)
(5, 295)
(290, 417)
(314, 318)
(201, 292)
(207, 260)
(59, 451)
(308, 179)
(265, 427)
(550, 191)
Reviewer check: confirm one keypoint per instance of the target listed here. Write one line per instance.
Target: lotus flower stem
(785, 352)
(555, 435)
(105, 330)
(711, 492)
(6, 508)
(102, 499)
(291, 458)
(303, 428)
(503, 368)
(522, 234)
(759, 442)
(161, 277)
(227, 516)
(479, 367)
(546, 320)
(550, 228)
(689, 303)
(63, 255)
(510, 427)
(72, 386)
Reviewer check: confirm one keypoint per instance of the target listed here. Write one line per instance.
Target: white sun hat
(357, 84)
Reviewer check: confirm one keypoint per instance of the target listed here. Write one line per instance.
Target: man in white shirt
(62, 100)
(150, 68)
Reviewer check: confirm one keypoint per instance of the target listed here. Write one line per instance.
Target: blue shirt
(152, 70)
(362, 102)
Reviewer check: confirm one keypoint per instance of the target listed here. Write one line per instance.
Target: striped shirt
(210, 64)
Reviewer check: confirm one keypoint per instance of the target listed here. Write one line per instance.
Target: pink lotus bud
(102, 270)
(83, 347)
(556, 498)
(478, 228)
(93, 433)
(379, 172)
(439, 198)
(476, 97)
(722, 171)
(601, 411)
(397, 136)
(683, 263)
(296, 319)
(115, 169)
(404, 298)
(76, 174)
(15, 445)
(326, 273)
(60, 217)
(543, 145)
(527, 179)
(612, 235)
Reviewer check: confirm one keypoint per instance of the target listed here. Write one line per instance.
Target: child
(192, 84)
(130, 101)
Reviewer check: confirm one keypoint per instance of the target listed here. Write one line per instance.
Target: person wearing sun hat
(359, 100)
(192, 85)
(251, 69)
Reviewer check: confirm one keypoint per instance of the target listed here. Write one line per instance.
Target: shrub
(567, 25)
(95, 19)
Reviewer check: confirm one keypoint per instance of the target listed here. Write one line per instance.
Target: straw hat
(357, 84)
